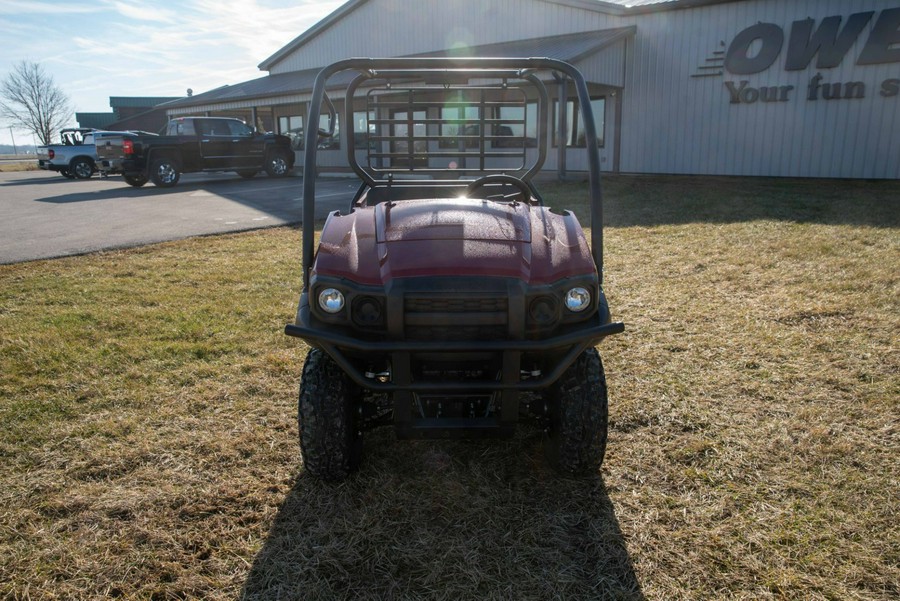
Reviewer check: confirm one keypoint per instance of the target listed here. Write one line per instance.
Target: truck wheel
(82, 168)
(164, 172)
(330, 443)
(277, 164)
(135, 180)
(579, 414)
(247, 173)
(66, 174)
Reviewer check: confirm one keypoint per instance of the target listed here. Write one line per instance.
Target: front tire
(165, 172)
(330, 441)
(579, 417)
(278, 164)
(82, 168)
(135, 180)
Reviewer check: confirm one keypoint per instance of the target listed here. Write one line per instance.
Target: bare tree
(30, 100)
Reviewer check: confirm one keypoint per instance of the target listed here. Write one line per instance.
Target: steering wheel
(500, 178)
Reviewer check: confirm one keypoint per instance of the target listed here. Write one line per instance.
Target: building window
(520, 131)
(333, 142)
(362, 130)
(517, 123)
(292, 127)
(574, 136)
(401, 135)
(450, 131)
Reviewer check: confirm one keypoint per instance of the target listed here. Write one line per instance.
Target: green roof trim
(139, 101)
(95, 120)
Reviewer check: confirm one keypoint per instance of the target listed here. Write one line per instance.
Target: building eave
(571, 47)
(635, 7)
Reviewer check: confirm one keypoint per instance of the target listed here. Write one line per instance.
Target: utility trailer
(450, 299)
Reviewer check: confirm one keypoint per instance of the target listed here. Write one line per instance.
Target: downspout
(617, 137)
(620, 105)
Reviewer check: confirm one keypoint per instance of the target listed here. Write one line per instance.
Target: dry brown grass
(23, 165)
(148, 436)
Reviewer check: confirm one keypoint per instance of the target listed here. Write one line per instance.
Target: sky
(102, 48)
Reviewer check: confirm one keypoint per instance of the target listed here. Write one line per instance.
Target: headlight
(366, 311)
(331, 300)
(578, 299)
(543, 310)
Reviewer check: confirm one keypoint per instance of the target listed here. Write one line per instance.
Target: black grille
(456, 305)
(456, 333)
(456, 317)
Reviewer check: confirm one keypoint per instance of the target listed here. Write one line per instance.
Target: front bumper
(341, 347)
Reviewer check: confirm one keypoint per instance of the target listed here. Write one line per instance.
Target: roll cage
(471, 135)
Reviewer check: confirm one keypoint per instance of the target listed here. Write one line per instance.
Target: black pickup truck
(193, 144)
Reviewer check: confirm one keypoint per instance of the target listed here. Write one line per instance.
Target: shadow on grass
(651, 200)
(446, 520)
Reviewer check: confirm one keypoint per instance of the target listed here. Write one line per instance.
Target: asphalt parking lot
(44, 215)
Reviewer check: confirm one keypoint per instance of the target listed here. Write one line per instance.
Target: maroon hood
(452, 237)
(452, 219)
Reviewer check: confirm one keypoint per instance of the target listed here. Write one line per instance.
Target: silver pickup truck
(76, 154)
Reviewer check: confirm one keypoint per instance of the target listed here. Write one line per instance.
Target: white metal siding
(402, 27)
(607, 66)
(673, 123)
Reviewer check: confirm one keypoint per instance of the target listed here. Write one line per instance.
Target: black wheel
(82, 168)
(135, 180)
(579, 414)
(165, 172)
(278, 164)
(247, 173)
(66, 174)
(329, 439)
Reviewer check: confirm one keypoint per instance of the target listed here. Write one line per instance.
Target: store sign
(756, 48)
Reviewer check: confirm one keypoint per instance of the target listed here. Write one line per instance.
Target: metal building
(806, 88)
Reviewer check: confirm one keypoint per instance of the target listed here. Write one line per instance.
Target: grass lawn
(149, 445)
(28, 163)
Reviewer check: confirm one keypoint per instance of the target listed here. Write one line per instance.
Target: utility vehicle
(449, 300)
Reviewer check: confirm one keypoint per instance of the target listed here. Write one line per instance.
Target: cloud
(39, 7)
(109, 48)
(144, 12)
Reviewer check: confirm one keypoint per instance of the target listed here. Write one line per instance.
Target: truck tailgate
(110, 148)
